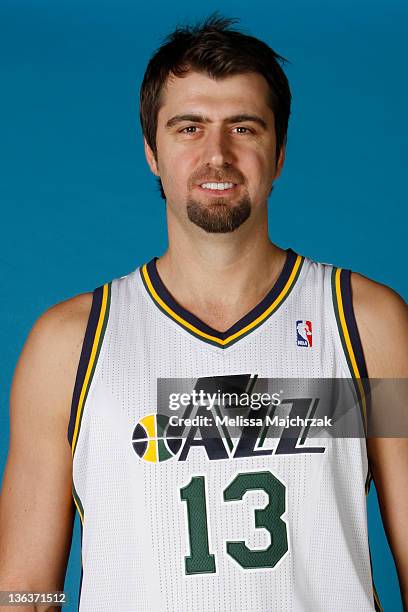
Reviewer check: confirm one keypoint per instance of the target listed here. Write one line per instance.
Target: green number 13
(200, 560)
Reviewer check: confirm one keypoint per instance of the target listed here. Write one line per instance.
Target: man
(189, 524)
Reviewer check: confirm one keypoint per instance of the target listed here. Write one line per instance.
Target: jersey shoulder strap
(94, 334)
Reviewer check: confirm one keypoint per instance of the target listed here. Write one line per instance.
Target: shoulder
(382, 320)
(62, 326)
(48, 363)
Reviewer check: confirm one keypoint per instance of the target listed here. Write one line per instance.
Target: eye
(243, 130)
(190, 129)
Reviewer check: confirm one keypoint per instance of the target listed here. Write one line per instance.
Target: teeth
(220, 186)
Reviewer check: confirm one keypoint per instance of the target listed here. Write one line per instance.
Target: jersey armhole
(346, 323)
(350, 338)
(94, 334)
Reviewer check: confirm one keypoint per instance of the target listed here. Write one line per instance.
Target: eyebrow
(196, 118)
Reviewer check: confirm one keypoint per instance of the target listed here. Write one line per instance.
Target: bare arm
(36, 509)
(382, 319)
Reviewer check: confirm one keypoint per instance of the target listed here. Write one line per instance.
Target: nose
(217, 150)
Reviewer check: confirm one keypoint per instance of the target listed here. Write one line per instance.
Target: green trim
(77, 499)
(368, 481)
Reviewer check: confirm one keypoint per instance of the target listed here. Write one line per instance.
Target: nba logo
(304, 333)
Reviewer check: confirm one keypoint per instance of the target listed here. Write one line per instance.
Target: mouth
(217, 189)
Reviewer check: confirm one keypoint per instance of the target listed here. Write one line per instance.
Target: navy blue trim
(345, 286)
(253, 314)
(85, 356)
(347, 298)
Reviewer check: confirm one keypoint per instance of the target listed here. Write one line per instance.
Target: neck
(220, 278)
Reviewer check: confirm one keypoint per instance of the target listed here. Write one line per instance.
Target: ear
(281, 160)
(151, 159)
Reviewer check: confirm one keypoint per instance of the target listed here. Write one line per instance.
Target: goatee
(219, 217)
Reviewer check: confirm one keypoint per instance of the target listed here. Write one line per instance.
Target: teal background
(79, 206)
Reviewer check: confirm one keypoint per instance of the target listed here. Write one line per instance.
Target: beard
(220, 216)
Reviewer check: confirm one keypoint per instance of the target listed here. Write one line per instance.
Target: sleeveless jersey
(181, 526)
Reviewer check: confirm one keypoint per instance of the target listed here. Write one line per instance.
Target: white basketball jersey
(231, 524)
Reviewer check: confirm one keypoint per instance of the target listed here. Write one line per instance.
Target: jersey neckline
(249, 322)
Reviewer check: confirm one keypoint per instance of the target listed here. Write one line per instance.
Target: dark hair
(215, 48)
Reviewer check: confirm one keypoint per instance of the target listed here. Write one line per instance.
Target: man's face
(216, 146)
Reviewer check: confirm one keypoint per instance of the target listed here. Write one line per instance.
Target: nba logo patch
(304, 333)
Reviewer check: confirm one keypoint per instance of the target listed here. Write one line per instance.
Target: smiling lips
(217, 188)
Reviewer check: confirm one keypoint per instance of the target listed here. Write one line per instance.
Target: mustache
(217, 176)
